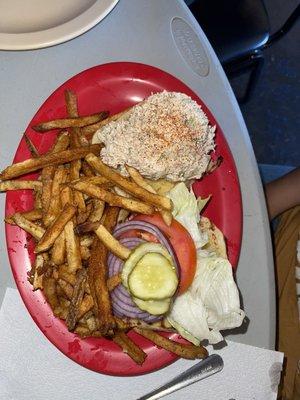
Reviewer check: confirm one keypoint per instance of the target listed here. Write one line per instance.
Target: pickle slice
(153, 278)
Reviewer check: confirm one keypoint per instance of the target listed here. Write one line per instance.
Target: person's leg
(270, 173)
(288, 339)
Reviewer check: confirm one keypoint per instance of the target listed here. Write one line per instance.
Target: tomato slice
(182, 243)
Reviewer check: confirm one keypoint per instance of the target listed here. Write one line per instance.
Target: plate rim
(60, 33)
(172, 358)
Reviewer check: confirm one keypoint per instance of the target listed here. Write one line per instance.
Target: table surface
(152, 32)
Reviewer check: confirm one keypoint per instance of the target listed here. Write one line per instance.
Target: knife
(203, 369)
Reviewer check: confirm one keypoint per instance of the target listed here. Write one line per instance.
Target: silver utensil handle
(197, 372)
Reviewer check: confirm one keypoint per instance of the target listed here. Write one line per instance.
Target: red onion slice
(120, 229)
(115, 264)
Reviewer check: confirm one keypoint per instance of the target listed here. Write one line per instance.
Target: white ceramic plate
(34, 24)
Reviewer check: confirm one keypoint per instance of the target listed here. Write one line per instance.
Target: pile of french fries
(78, 202)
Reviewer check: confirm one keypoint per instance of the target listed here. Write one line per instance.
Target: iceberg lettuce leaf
(186, 211)
(211, 303)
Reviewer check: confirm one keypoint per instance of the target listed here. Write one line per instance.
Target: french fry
(66, 287)
(110, 218)
(97, 275)
(19, 185)
(88, 131)
(46, 178)
(73, 255)
(127, 185)
(82, 331)
(71, 103)
(38, 267)
(64, 304)
(129, 347)
(49, 290)
(58, 253)
(77, 139)
(95, 180)
(32, 215)
(59, 291)
(87, 240)
(85, 252)
(167, 216)
(129, 323)
(74, 174)
(35, 164)
(62, 123)
(30, 227)
(97, 282)
(72, 110)
(113, 199)
(121, 192)
(123, 215)
(111, 243)
(188, 351)
(86, 227)
(98, 210)
(62, 299)
(65, 274)
(84, 215)
(55, 229)
(113, 282)
(76, 299)
(75, 166)
(60, 176)
(54, 272)
(45, 267)
(91, 323)
(38, 200)
(86, 305)
(87, 170)
(62, 142)
(139, 180)
(66, 196)
(87, 287)
(30, 274)
(86, 317)
(31, 146)
(72, 248)
(38, 277)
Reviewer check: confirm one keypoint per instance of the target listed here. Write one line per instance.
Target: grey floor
(272, 114)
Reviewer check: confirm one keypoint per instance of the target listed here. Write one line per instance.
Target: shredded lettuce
(186, 210)
(210, 304)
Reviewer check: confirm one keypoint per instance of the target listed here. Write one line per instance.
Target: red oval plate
(114, 87)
